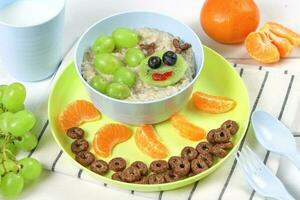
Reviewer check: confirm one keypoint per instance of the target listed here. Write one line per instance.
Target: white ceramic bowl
(149, 112)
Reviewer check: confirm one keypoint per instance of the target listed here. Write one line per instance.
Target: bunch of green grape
(107, 64)
(15, 126)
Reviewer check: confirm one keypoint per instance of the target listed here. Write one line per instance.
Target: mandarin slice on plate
(212, 104)
(108, 137)
(284, 32)
(148, 142)
(260, 48)
(187, 129)
(78, 112)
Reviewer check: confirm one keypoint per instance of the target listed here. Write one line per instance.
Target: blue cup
(32, 51)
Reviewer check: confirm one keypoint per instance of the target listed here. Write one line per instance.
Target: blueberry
(169, 58)
(154, 62)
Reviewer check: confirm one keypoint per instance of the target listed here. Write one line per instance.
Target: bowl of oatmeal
(139, 67)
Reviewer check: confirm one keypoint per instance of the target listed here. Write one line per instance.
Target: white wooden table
(80, 14)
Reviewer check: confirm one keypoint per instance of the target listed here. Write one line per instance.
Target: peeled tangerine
(284, 32)
(108, 137)
(212, 104)
(261, 49)
(147, 141)
(78, 112)
(271, 42)
(187, 129)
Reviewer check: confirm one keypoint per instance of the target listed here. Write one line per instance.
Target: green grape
(106, 63)
(22, 122)
(17, 109)
(26, 142)
(14, 96)
(125, 38)
(133, 57)
(103, 44)
(4, 121)
(99, 84)
(30, 168)
(10, 166)
(125, 76)
(2, 88)
(118, 91)
(12, 184)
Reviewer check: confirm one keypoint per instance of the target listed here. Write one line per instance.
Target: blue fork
(260, 178)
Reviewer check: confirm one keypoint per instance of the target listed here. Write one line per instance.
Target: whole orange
(229, 21)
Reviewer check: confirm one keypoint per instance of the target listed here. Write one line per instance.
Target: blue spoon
(4, 3)
(274, 136)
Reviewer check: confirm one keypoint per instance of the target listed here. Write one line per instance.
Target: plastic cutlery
(6, 3)
(274, 136)
(260, 177)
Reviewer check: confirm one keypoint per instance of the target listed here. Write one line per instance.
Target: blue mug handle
(6, 3)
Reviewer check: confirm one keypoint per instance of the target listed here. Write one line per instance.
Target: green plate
(218, 77)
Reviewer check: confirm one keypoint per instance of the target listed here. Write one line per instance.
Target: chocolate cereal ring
(117, 164)
(85, 158)
(210, 136)
(191, 174)
(216, 150)
(189, 153)
(198, 166)
(143, 180)
(170, 176)
(131, 174)
(117, 176)
(182, 167)
(172, 160)
(203, 147)
(99, 167)
(222, 135)
(206, 157)
(141, 166)
(159, 166)
(226, 146)
(230, 125)
(79, 145)
(156, 179)
(75, 133)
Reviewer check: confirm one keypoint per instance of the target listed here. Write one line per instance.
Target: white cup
(31, 33)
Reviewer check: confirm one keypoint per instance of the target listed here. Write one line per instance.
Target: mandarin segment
(284, 32)
(147, 141)
(108, 137)
(283, 45)
(212, 104)
(260, 48)
(187, 129)
(77, 113)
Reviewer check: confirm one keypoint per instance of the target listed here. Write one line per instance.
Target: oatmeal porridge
(148, 64)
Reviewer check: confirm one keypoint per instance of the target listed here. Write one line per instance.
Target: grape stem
(4, 150)
(3, 108)
(4, 153)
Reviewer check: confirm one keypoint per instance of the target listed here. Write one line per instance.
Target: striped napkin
(277, 92)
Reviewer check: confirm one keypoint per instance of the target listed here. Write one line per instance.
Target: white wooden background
(80, 14)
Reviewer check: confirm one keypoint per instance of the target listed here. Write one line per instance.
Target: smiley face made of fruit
(163, 68)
